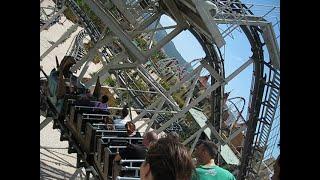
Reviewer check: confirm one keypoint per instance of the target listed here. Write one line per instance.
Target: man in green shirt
(205, 153)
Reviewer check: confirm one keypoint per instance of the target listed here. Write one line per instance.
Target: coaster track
(126, 20)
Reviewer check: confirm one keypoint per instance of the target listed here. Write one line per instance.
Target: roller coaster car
(107, 148)
(100, 143)
(85, 126)
(95, 131)
(127, 168)
(61, 83)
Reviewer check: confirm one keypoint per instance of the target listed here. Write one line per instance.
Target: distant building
(171, 70)
(229, 119)
(203, 82)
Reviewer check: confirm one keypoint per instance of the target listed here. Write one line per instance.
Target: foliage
(73, 18)
(141, 85)
(110, 82)
(158, 55)
(178, 99)
(165, 85)
(70, 16)
(96, 59)
(142, 43)
(192, 127)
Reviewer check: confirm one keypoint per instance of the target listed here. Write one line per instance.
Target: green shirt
(212, 173)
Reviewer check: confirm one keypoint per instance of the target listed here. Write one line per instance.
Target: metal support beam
(202, 96)
(190, 90)
(146, 23)
(122, 66)
(213, 131)
(45, 122)
(222, 103)
(191, 7)
(104, 70)
(241, 22)
(65, 36)
(109, 67)
(75, 174)
(216, 134)
(188, 77)
(128, 89)
(195, 134)
(169, 99)
(174, 11)
(155, 115)
(209, 22)
(272, 45)
(213, 72)
(120, 4)
(231, 28)
(84, 69)
(148, 110)
(165, 40)
(186, 109)
(52, 18)
(153, 33)
(155, 29)
(195, 143)
(159, 88)
(197, 22)
(237, 71)
(234, 134)
(108, 20)
(143, 113)
(89, 56)
(171, 90)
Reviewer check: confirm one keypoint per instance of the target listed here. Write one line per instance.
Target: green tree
(110, 82)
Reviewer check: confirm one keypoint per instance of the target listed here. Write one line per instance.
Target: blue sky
(237, 51)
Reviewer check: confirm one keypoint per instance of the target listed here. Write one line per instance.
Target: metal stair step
(271, 110)
(265, 130)
(267, 104)
(269, 119)
(272, 98)
(266, 123)
(276, 82)
(276, 76)
(263, 134)
(274, 93)
(276, 88)
(263, 139)
(268, 116)
(271, 104)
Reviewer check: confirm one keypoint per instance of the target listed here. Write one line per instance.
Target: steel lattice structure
(122, 22)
